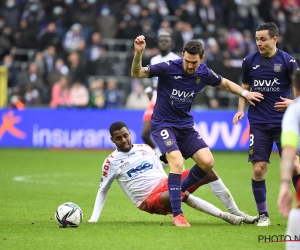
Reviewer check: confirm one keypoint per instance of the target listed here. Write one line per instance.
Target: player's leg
(192, 145)
(166, 139)
(222, 192)
(261, 143)
(208, 208)
(202, 206)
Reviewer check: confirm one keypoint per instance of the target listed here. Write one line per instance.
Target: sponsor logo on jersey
(198, 79)
(183, 94)
(143, 167)
(266, 82)
(277, 67)
(168, 142)
(177, 77)
(256, 66)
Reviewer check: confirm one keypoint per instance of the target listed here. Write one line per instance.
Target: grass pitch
(33, 183)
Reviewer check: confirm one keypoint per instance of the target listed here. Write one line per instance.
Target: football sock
(293, 229)
(295, 179)
(174, 182)
(222, 192)
(260, 192)
(203, 206)
(195, 175)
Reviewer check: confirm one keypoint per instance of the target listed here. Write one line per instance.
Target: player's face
(165, 44)
(265, 44)
(191, 63)
(122, 139)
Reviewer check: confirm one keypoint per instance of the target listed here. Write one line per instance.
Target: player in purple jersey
(172, 124)
(267, 70)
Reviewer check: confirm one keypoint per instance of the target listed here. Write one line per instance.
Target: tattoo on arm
(287, 165)
(136, 68)
(136, 64)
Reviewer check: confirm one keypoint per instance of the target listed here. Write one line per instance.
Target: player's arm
(236, 89)
(108, 176)
(241, 104)
(286, 171)
(283, 105)
(136, 68)
(289, 143)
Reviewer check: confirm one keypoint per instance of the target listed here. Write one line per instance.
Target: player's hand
(284, 199)
(238, 116)
(282, 106)
(139, 44)
(253, 97)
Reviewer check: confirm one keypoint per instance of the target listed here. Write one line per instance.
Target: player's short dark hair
(194, 47)
(117, 126)
(296, 79)
(271, 27)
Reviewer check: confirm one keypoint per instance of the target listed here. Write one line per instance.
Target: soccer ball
(68, 214)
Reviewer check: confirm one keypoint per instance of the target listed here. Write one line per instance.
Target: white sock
(203, 206)
(222, 192)
(293, 229)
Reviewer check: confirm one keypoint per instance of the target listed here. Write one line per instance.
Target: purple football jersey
(176, 91)
(270, 76)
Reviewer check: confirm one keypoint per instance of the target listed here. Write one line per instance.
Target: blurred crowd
(77, 53)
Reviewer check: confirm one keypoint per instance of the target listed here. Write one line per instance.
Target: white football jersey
(138, 172)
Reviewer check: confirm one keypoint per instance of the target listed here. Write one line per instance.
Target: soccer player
(165, 46)
(143, 179)
(268, 71)
(289, 142)
(172, 125)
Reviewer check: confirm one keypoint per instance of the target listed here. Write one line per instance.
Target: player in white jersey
(289, 142)
(165, 46)
(142, 178)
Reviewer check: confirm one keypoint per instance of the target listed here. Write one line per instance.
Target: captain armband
(290, 138)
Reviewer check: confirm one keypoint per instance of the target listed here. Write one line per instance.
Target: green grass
(47, 178)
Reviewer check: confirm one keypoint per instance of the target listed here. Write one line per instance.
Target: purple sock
(174, 182)
(260, 192)
(195, 175)
(295, 180)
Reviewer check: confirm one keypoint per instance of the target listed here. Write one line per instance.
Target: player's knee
(259, 170)
(207, 165)
(176, 165)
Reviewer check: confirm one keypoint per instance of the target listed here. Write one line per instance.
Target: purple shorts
(187, 140)
(262, 137)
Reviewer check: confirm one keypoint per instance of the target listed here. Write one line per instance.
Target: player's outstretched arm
(99, 204)
(136, 68)
(286, 171)
(234, 88)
